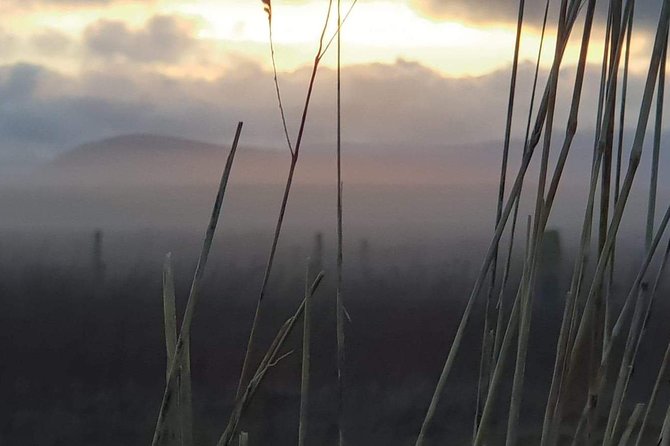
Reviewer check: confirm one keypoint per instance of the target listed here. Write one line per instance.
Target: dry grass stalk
(599, 330)
(664, 437)
(306, 359)
(172, 433)
(516, 190)
(169, 312)
(339, 304)
(618, 327)
(664, 363)
(620, 205)
(488, 336)
(638, 329)
(630, 426)
(268, 10)
(183, 426)
(270, 359)
(658, 130)
(508, 260)
(652, 399)
(295, 153)
(522, 349)
(543, 209)
(194, 293)
(244, 439)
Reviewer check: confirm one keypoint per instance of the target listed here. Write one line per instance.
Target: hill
(156, 159)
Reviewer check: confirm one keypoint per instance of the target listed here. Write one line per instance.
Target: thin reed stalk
(632, 422)
(488, 338)
(635, 334)
(169, 312)
(186, 397)
(664, 363)
(622, 113)
(619, 165)
(184, 413)
(508, 260)
(515, 192)
(566, 336)
(600, 326)
(194, 293)
(244, 439)
(658, 130)
(657, 384)
(636, 153)
(270, 359)
(172, 430)
(515, 402)
(618, 326)
(306, 360)
(543, 209)
(542, 212)
(651, 208)
(624, 370)
(295, 153)
(339, 297)
(268, 10)
(664, 437)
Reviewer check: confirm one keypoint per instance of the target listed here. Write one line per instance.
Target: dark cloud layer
(646, 12)
(164, 38)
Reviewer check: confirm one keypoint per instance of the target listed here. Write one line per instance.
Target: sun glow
(378, 31)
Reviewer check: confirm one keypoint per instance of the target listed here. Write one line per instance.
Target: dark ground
(83, 359)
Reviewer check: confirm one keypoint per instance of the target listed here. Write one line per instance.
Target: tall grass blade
(632, 422)
(517, 385)
(169, 312)
(664, 437)
(172, 428)
(185, 330)
(244, 439)
(306, 342)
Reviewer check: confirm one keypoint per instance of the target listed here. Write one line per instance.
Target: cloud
(8, 42)
(164, 38)
(82, 3)
(506, 11)
(51, 42)
(384, 104)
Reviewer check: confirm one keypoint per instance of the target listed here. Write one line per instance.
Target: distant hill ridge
(127, 145)
(149, 159)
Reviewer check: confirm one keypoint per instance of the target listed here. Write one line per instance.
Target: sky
(433, 72)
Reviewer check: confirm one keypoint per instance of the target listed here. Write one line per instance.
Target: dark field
(83, 353)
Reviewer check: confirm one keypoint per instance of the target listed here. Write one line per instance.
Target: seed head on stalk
(267, 7)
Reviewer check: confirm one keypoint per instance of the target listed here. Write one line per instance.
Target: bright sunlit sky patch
(377, 31)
